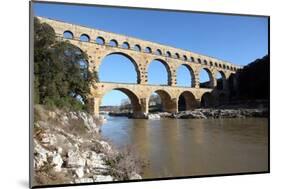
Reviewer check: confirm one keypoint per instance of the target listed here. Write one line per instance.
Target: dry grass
(46, 175)
(124, 163)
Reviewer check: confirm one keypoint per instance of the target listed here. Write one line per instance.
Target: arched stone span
(168, 105)
(131, 60)
(187, 101)
(211, 82)
(135, 102)
(136, 51)
(207, 100)
(191, 72)
(166, 65)
(221, 82)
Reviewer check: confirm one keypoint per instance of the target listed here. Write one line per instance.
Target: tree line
(252, 81)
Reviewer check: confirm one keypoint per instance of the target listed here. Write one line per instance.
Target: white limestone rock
(75, 160)
(103, 178)
(154, 116)
(79, 172)
(135, 176)
(40, 155)
(56, 161)
(84, 180)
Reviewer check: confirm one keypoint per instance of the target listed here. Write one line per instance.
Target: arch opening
(84, 38)
(126, 45)
(120, 100)
(187, 101)
(220, 77)
(207, 100)
(113, 43)
(100, 40)
(232, 85)
(192, 59)
(185, 76)
(206, 78)
(137, 48)
(168, 53)
(160, 101)
(68, 35)
(159, 72)
(158, 52)
(109, 70)
(147, 50)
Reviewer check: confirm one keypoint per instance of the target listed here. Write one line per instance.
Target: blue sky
(238, 39)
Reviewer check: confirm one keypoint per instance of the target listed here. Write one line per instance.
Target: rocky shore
(204, 113)
(212, 114)
(68, 149)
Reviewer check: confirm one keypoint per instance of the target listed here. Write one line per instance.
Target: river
(189, 147)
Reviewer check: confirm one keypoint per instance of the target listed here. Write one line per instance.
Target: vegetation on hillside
(253, 80)
(61, 76)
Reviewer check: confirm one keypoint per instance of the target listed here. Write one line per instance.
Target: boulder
(135, 176)
(79, 172)
(192, 115)
(84, 180)
(47, 139)
(153, 116)
(56, 161)
(40, 155)
(75, 159)
(103, 178)
(105, 146)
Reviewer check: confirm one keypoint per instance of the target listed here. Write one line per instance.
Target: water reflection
(193, 147)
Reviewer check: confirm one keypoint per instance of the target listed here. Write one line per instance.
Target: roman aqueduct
(98, 44)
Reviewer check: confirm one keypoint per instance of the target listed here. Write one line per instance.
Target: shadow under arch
(166, 65)
(166, 100)
(222, 99)
(128, 57)
(191, 72)
(187, 101)
(207, 100)
(134, 100)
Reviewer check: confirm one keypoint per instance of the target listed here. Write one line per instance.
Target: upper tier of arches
(90, 35)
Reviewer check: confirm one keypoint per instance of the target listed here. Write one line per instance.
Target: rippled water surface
(193, 147)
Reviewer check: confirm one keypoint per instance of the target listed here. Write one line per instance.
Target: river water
(188, 147)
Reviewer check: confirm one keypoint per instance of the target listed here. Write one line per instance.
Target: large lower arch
(137, 70)
(134, 100)
(167, 103)
(191, 74)
(207, 100)
(204, 83)
(168, 71)
(187, 101)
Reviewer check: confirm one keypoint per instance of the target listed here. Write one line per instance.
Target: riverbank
(205, 113)
(68, 149)
(212, 114)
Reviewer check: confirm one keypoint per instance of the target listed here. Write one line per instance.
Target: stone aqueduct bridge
(99, 44)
